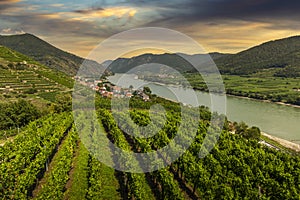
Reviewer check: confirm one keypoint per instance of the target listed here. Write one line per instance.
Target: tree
(63, 103)
(147, 90)
(253, 133)
(241, 128)
(17, 114)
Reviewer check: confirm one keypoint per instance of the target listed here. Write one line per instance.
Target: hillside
(45, 53)
(279, 58)
(22, 77)
(282, 57)
(175, 61)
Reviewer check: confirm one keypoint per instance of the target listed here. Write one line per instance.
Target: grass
(79, 177)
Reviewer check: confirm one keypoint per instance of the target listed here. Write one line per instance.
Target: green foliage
(147, 90)
(54, 186)
(23, 161)
(252, 133)
(17, 114)
(238, 167)
(58, 77)
(248, 133)
(280, 55)
(12, 56)
(136, 183)
(79, 178)
(240, 127)
(63, 103)
(30, 91)
(102, 181)
(22, 77)
(49, 96)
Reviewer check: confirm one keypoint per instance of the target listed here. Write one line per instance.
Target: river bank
(285, 143)
(233, 95)
(266, 101)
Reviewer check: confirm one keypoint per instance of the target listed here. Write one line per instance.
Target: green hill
(281, 57)
(45, 53)
(175, 61)
(22, 77)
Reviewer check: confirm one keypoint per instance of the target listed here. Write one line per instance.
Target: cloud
(9, 31)
(199, 10)
(6, 4)
(57, 5)
(96, 12)
(8, 1)
(220, 25)
(89, 10)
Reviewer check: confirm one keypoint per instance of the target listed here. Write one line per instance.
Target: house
(108, 94)
(128, 95)
(145, 97)
(116, 89)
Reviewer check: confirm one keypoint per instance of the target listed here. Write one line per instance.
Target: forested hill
(281, 56)
(276, 58)
(44, 53)
(175, 61)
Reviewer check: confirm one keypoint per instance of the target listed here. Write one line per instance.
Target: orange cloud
(118, 12)
(9, 1)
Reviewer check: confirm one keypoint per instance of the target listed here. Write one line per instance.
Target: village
(108, 90)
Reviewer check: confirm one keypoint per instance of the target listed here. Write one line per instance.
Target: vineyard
(50, 160)
(21, 77)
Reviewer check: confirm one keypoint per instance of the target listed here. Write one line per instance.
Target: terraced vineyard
(22, 77)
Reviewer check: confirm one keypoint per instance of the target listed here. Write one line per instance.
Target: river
(278, 120)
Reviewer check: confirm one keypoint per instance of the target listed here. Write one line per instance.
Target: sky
(78, 26)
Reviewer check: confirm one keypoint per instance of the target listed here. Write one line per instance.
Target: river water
(278, 120)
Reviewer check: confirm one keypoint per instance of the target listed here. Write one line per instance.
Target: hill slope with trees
(283, 56)
(45, 53)
(280, 58)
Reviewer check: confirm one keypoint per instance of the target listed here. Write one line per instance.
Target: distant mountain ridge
(178, 61)
(45, 53)
(279, 58)
(283, 56)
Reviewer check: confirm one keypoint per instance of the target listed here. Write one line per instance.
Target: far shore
(267, 101)
(231, 95)
(283, 142)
